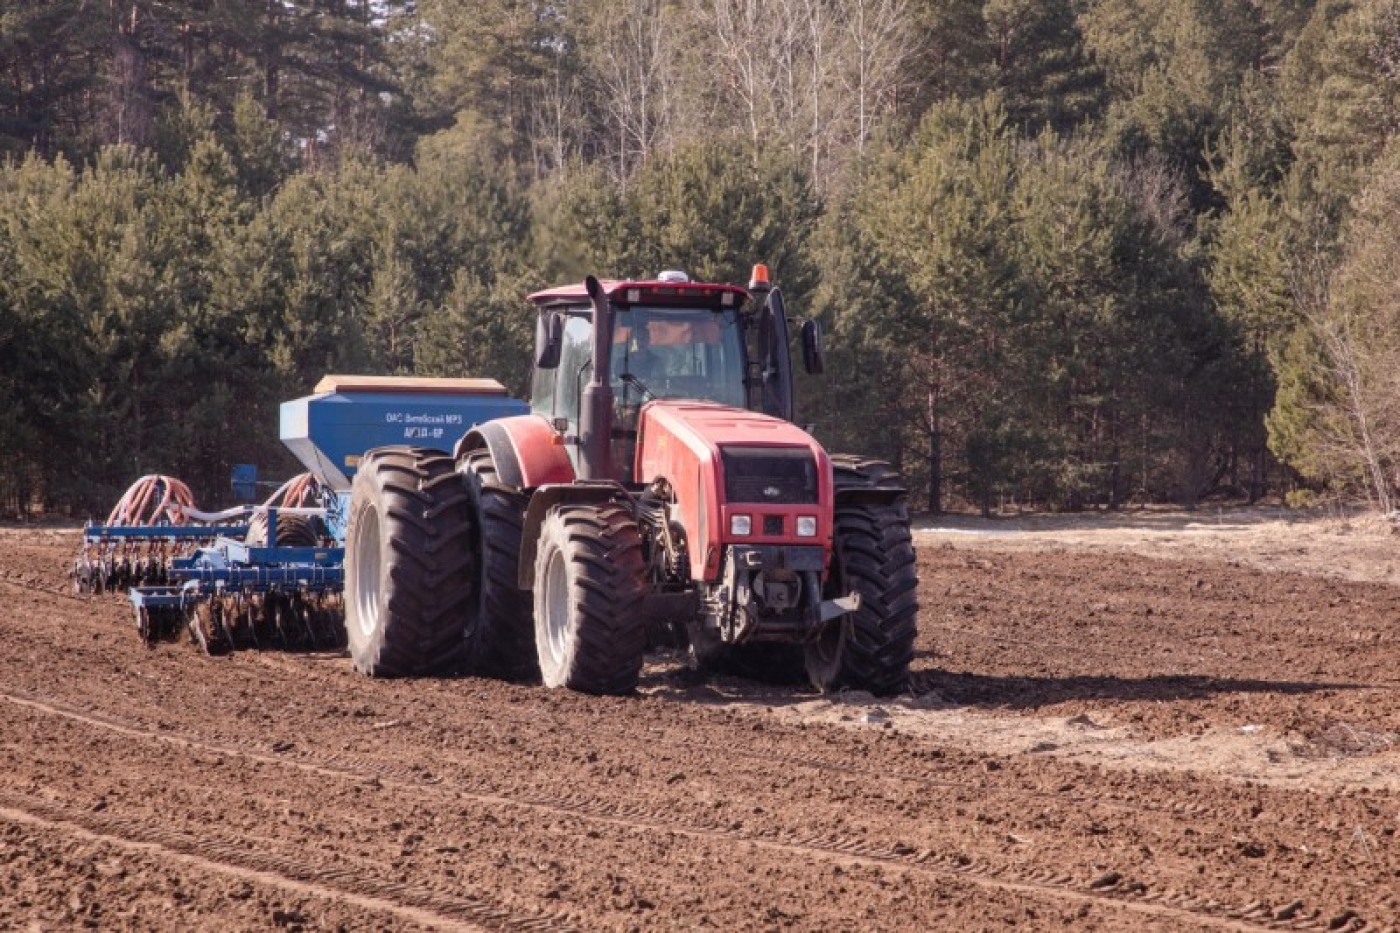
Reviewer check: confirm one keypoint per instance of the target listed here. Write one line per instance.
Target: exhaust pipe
(596, 407)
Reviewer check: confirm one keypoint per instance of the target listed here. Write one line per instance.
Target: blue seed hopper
(330, 430)
(280, 583)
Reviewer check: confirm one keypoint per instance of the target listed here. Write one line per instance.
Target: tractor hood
(720, 461)
(713, 425)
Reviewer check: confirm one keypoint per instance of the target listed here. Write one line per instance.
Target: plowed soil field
(1179, 723)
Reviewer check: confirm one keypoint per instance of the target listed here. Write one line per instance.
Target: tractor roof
(648, 292)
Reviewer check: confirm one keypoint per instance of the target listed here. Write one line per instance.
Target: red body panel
(681, 441)
(538, 449)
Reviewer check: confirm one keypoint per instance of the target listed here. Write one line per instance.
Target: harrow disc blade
(156, 623)
(240, 615)
(143, 625)
(206, 627)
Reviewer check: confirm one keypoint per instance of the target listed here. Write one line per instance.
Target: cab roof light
(759, 279)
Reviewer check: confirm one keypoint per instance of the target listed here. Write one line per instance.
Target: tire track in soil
(1184, 810)
(1180, 809)
(1102, 797)
(420, 905)
(306, 664)
(1108, 889)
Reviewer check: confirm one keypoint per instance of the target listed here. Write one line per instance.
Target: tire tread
(424, 508)
(603, 548)
(875, 553)
(502, 613)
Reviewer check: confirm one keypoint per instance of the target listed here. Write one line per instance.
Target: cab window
(690, 353)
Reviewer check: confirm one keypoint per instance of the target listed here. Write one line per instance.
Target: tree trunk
(129, 115)
(935, 454)
(1257, 471)
(1115, 480)
(272, 59)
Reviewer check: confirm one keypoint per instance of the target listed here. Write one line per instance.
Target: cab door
(557, 392)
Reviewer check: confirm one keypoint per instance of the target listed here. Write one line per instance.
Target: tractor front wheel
(590, 581)
(408, 564)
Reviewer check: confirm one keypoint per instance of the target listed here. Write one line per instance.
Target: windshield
(682, 353)
(691, 353)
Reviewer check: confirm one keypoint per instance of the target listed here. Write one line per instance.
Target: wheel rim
(367, 571)
(556, 607)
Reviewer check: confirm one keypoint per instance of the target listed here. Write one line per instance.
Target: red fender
(527, 450)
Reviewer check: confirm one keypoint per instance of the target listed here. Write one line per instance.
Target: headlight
(806, 526)
(740, 525)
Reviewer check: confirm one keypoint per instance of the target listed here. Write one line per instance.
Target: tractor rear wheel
(408, 563)
(875, 557)
(292, 531)
(590, 581)
(499, 623)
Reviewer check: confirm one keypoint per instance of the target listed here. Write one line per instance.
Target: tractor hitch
(774, 594)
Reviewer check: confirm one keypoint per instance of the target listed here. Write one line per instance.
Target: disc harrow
(110, 565)
(231, 580)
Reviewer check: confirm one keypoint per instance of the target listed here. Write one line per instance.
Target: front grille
(770, 475)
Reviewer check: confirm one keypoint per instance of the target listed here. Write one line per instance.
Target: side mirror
(549, 339)
(813, 352)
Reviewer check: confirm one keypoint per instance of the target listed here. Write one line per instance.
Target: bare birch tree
(633, 58)
(558, 125)
(744, 49)
(814, 76)
(881, 46)
(1339, 399)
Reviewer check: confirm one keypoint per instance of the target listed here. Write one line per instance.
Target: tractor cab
(669, 338)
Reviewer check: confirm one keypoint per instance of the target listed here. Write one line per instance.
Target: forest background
(1068, 253)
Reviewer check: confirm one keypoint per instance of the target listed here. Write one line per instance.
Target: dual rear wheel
(431, 581)
(408, 565)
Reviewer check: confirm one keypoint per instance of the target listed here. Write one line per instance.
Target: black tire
(500, 622)
(408, 564)
(823, 660)
(590, 581)
(818, 664)
(292, 531)
(875, 557)
(704, 651)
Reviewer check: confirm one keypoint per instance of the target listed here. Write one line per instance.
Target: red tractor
(658, 485)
